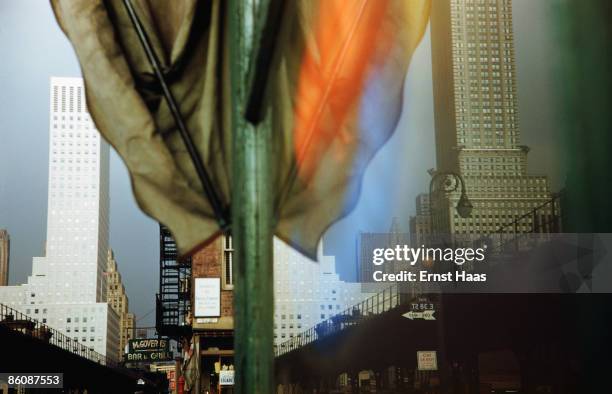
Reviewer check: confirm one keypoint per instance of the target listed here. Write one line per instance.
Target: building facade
(5, 254)
(117, 299)
(307, 292)
(67, 288)
(477, 121)
(420, 224)
(211, 346)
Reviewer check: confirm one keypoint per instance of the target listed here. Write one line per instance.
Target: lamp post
(464, 209)
(464, 206)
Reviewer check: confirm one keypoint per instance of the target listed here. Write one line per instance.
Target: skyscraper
(476, 118)
(5, 254)
(118, 300)
(307, 292)
(421, 222)
(67, 288)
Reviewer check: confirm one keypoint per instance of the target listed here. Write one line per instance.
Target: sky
(34, 49)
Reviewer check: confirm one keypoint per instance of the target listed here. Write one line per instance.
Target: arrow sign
(413, 315)
(425, 315)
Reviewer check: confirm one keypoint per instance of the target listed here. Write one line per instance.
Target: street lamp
(464, 206)
(464, 209)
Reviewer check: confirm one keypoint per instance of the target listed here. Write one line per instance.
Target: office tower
(476, 119)
(67, 288)
(117, 299)
(421, 222)
(5, 254)
(307, 292)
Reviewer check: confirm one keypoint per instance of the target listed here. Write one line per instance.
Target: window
(228, 253)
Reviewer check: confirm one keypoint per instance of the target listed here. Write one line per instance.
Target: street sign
(427, 360)
(226, 378)
(425, 315)
(148, 350)
(421, 308)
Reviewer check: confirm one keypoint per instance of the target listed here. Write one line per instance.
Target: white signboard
(226, 378)
(425, 315)
(427, 360)
(207, 297)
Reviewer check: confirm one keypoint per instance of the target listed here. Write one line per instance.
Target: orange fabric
(333, 73)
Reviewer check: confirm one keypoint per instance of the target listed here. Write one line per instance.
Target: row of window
(299, 316)
(284, 326)
(67, 99)
(84, 339)
(84, 329)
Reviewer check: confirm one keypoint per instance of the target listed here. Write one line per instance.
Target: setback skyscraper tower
(67, 288)
(476, 119)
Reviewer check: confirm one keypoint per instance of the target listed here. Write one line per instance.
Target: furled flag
(334, 97)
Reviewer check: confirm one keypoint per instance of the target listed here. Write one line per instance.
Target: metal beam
(205, 179)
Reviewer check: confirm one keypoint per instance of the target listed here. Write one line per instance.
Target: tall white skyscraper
(307, 292)
(67, 288)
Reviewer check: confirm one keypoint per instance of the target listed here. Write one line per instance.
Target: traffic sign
(425, 315)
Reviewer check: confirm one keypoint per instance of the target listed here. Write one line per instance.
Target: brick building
(210, 352)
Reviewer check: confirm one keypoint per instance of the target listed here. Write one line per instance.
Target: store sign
(427, 360)
(226, 378)
(148, 350)
(207, 297)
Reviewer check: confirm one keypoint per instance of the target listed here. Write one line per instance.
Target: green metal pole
(251, 219)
